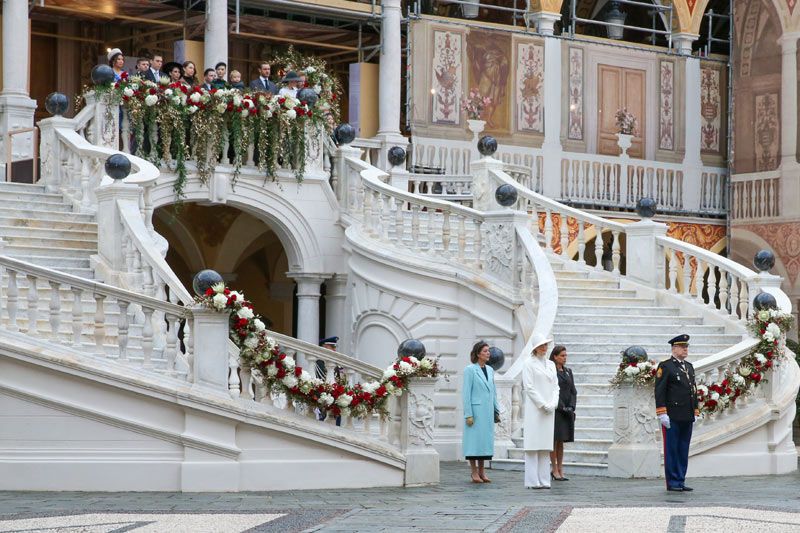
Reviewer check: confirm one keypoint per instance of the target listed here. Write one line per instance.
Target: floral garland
(768, 326)
(315, 69)
(280, 372)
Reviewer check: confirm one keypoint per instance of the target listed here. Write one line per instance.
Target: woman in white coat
(540, 382)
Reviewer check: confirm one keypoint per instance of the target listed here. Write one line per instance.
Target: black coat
(564, 429)
(258, 86)
(676, 391)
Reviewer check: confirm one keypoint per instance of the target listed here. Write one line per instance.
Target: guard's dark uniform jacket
(676, 392)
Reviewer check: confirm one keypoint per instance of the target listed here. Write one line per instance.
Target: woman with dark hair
(480, 408)
(189, 73)
(117, 62)
(564, 430)
(174, 71)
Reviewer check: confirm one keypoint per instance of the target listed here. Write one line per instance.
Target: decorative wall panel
(489, 55)
(666, 120)
(767, 137)
(710, 109)
(575, 124)
(447, 77)
(530, 87)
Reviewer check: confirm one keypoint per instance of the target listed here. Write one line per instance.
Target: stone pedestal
(503, 430)
(483, 183)
(637, 442)
(422, 459)
(645, 261)
(110, 231)
(210, 349)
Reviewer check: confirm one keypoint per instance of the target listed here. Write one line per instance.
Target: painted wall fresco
(447, 77)
(575, 124)
(666, 119)
(489, 60)
(767, 131)
(784, 239)
(530, 87)
(710, 109)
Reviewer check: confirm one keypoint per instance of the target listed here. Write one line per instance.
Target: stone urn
(624, 141)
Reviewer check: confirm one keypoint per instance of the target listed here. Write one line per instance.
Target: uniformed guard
(676, 407)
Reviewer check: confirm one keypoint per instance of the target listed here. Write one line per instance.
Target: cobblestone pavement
(593, 504)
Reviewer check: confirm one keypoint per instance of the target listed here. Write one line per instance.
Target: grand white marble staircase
(599, 316)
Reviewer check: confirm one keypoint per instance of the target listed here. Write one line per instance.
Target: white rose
(768, 337)
(289, 103)
(292, 114)
(317, 89)
(168, 92)
(773, 313)
(702, 389)
(251, 342)
(414, 360)
(220, 301)
(325, 398)
(406, 368)
(193, 109)
(774, 329)
(390, 388)
(344, 400)
(177, 100)
(237, 100)
(310, 70)
(389, 372)
(290, 381)
(135, 86)
(221, 108)
(305, 377)
(715, 396)
(272, 371)
(195, 98)
(760, 358)
(245, 312)
(426, 363)
(259, 325)
(370, 387)
(268, 113)
(289, 363)
(631, 370)
(128, 92)
(245, 113)
(739, 380)
(150, 100)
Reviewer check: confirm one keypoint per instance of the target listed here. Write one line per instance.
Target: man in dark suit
(155, 66)
(143, 69)
(262, 83)
(209, 76)
(676, 408)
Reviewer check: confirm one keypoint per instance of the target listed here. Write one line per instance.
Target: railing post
(417, 412)
(483, 184)
(315, 152)
(110, 228)
(635, 452)
(504, 430)
(500, 254)
(210, 349)
(105, 124)
(644, 260)
(50, 151)
(342, 173)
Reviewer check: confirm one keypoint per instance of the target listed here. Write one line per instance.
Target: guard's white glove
(664, 419)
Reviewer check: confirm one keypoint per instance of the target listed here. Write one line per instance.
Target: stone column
(789, 99)
(417, 428)
(216, 39)
(551, 147)
(692, 160)
(16, 106)
(308, 295)
(389, 82)
(682, 42)
(335, 297)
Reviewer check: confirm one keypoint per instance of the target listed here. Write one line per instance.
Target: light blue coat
(480, 402)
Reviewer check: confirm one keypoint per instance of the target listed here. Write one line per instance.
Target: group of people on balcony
(549, 422)
(153, 69)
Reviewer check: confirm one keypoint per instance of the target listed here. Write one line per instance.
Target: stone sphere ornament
(487, 145)
(646, 207)
(204, 280)
(411, 348)
(102, 75)
(764, 260)
(397, 156)
(506, 195)
(634, 354)
(764, 300)
(56, 103)
(118, 166)
(309, 96)
(496, 358)
(344, 133)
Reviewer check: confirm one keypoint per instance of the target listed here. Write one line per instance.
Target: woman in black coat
(564, 430)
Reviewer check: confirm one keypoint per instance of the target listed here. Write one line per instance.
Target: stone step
(642, 323)
(574, 309)
(600, 422)
(607, 302)
(594, 433)
(40, 204)
(587, 292)
(47, 224)
(562, 275)
(45, 214)
(22, 197)
(45, 232)
(587, 409)
(67, 252)
(585, 456)
(600, 400)
(53, 242)
(589, 283)
(12, 186)
(622, 338)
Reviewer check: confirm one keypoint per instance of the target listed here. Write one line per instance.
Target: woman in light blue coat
(480, 406)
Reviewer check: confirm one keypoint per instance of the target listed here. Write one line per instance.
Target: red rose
(281, 101)
(380, 391)
(297, 371)
(281, 373)
(124, 76)
(755, 376)
(209, 292)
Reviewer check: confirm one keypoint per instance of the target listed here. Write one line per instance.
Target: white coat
(540, 383)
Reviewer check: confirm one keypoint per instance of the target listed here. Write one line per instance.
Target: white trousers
(537, 468)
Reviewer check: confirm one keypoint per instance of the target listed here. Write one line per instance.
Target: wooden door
(619, 87)
(43, 81)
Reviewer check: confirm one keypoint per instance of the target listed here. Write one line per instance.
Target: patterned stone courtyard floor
(582, 504)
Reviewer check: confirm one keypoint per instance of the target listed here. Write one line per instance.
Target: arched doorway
(238, 245)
